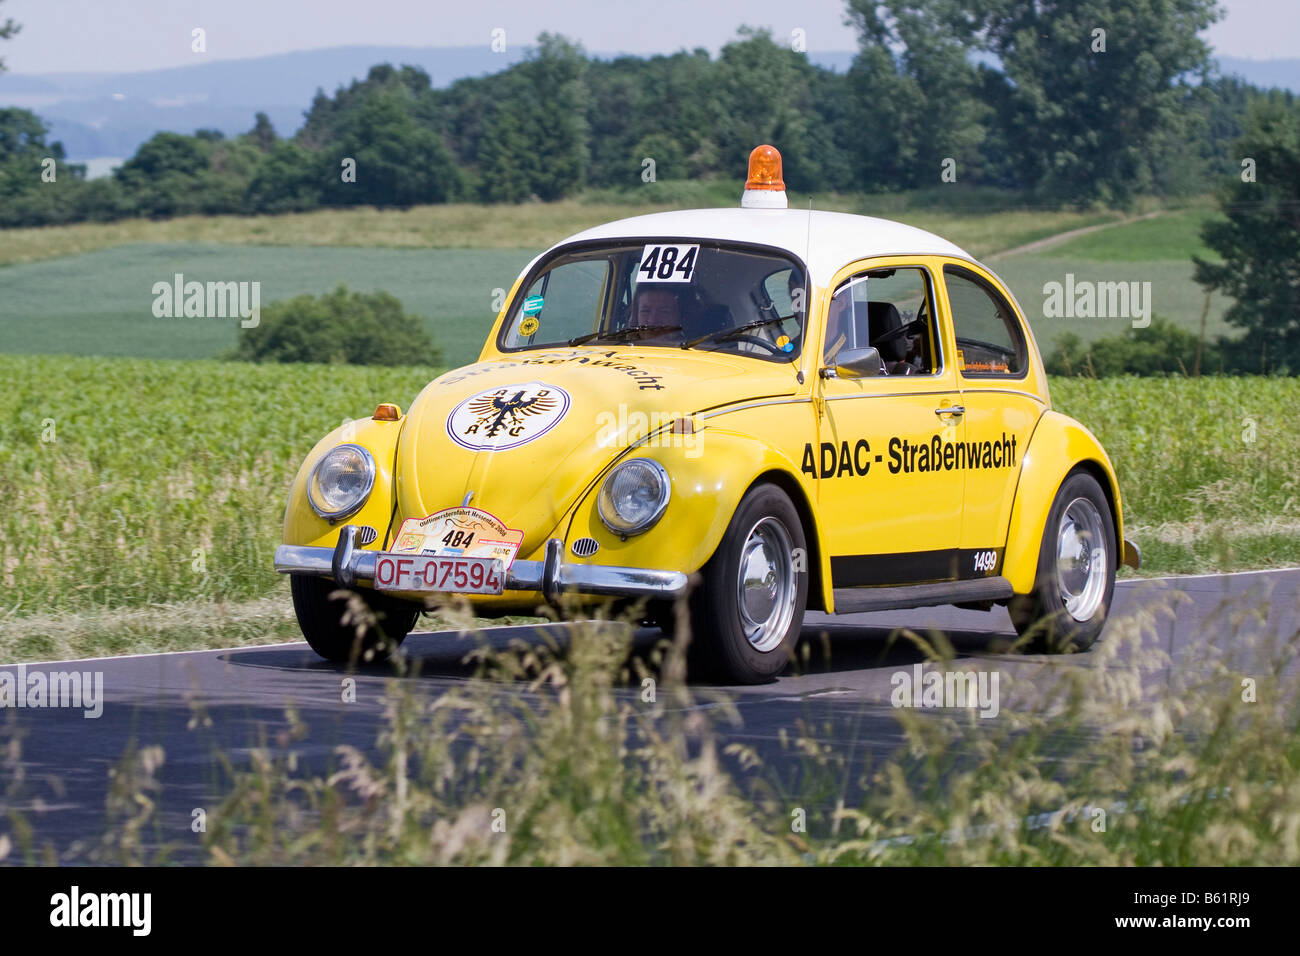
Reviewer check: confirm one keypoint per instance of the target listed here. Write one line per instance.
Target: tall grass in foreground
(1119, 756)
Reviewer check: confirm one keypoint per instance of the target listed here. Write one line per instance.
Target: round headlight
(341, 481)
(633, 496)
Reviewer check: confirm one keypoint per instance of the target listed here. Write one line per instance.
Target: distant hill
(111, 114)
(99, 115)
(1284, 74)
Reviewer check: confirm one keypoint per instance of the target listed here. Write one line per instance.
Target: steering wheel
(755, 340)
(915, 327)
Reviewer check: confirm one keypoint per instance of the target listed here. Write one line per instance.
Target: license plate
(435, 572)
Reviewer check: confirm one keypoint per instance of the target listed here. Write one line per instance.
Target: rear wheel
(746, 615)
(1076, 571)
(321, 620)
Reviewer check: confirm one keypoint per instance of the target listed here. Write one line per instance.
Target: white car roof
(826, 241)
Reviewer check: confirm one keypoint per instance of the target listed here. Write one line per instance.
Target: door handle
(950, 410)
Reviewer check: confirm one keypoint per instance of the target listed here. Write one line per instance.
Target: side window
(989, 342)
(561, 304)
(890, 310)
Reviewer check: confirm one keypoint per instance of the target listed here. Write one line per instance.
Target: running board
(856, 600)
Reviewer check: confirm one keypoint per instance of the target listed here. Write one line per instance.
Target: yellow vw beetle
(755, 410)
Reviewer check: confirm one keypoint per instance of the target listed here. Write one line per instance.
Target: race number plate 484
(440, 573)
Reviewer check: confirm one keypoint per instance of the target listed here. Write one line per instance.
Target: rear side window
(989, 341)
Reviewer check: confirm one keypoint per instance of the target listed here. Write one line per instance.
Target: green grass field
(99, 302)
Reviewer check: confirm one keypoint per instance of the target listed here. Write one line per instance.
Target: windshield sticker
(498, 419)
(529, 325)
(667, 263)
(533, 304)
(784, 344)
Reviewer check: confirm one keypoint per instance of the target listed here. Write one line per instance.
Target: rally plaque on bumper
(442, 573)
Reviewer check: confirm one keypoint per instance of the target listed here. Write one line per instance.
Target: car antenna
(807, 292)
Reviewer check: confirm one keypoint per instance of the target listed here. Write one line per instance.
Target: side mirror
(859, 363)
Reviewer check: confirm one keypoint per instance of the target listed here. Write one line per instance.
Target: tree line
(1061, 101)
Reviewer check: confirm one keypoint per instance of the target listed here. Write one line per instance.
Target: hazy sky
(128, 35)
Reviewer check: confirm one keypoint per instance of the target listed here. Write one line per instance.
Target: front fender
(706, 489)
(302, 526)
(1058, 446)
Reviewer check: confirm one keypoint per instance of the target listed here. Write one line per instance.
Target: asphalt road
(842, 694)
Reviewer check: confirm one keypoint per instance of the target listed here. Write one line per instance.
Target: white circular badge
(497, 419)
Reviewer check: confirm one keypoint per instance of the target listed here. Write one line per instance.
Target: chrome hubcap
(1081, 559)
(766, 584)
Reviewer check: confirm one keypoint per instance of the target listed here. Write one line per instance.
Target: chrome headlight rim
(335, 515)
(620, 527)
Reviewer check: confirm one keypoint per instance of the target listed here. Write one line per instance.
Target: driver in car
(655, 306)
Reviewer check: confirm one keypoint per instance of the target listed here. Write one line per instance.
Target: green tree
(917, 99)
(506, 163)
(1080, 123)
(1162, 348)
(762, 93)
(399, 162)
(166, 176)
(557, 127)
(389, 125)
(263, 133)
(1259, 241)
(340, 327)
(288, 179)
(30, 200)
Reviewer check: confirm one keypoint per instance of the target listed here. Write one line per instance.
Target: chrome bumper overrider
(348, 565)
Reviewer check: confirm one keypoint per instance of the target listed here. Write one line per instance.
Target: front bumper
(349, 565)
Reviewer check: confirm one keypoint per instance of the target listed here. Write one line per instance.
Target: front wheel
(1076, 572)
(321, 620)
(746, 615)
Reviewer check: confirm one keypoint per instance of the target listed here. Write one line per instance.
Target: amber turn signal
(387, 412)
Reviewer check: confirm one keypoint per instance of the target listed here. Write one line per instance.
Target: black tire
(1042, 616)
(321, 621)
(719, 648)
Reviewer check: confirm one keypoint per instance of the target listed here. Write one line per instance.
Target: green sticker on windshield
(533, 304)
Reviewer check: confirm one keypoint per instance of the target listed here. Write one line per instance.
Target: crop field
(140, 482)
(101, 303)
(87, 289)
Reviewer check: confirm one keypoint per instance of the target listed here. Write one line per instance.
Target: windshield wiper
(728, 333)
(618, 334)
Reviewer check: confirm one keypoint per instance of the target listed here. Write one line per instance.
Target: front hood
(525, 436)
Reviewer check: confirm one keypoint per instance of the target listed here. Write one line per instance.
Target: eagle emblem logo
(507, 416)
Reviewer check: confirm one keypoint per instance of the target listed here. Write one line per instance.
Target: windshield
(664, 294)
